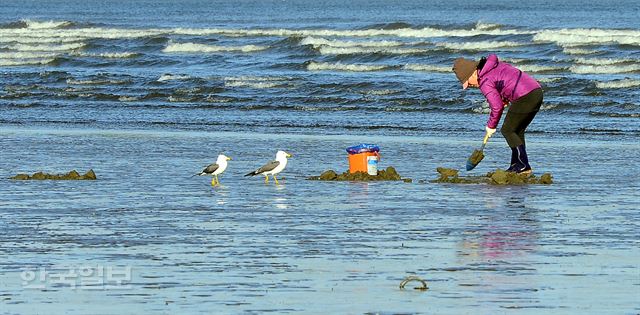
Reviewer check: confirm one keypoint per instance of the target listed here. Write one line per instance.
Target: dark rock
(387, 174)
(90, 175)
(39, 176)
(72, 175)
(328, 175)
(499, 177)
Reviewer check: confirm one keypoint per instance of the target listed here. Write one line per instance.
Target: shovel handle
(484, 142)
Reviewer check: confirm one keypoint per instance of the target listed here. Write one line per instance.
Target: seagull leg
(217, 180)
(275, 179)
(266, 179)
(213, 180)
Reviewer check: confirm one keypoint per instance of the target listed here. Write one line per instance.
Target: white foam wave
(549, 79)
(317, 42)
(127, 99)
(607, 69)
(25, 55)
(24, 62)
(45, 24)
(540, 68)
(486, 26)
(256, 82)
(578, 51)
(93, 82)
(37, 40)
(403, 32)
(65, 47)
(319, 66)
(256, 78)
(382, 92)
(253, 84)
(195, 48)
(618, 84)
(427, 68)
(107, 55)
(173, 77)
(492, 45)
(573, 37)
(604, 61)
(325, 50)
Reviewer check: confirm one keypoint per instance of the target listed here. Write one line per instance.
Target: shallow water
(147, 93)
(316, 247)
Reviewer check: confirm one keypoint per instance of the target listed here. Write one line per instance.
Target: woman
(501, 84)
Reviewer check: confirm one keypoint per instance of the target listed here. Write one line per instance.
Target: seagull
(215, 169)
(272, 168)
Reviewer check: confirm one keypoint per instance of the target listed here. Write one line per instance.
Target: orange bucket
(362, 162)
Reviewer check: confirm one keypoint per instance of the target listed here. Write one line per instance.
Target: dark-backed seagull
(215, 169)
(272, 168)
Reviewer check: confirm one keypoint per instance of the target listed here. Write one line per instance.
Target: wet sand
(314, 247)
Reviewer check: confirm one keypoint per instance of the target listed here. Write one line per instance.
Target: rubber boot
(512, 165)
(522, 161)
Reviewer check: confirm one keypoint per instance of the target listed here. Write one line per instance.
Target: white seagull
(215, 169)
(272, 168)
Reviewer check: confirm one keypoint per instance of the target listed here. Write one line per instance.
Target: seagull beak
(289, 155)
(228, 158)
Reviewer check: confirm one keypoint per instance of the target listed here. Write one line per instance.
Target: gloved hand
(490, 131)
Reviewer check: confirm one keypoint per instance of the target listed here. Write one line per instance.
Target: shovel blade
(475, 159)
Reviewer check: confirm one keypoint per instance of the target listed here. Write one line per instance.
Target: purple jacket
(500, 83)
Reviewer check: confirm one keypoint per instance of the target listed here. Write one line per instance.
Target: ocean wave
(38, 25)
(319, 66)
(113, 55)
(618, 84)
(487, 26)
(25, 55)
(607, 69)
(572, 37)
(63, 47)
(402, 32)
(26, 62)
(541, 68)
(318, 42)
(196, 48)
(253, 84)
(95, 82)
(256, 82)
(578, 51)
(173, 77)
(427, 68)
(492, 45)
(604, 61)
(324, 50)
(37, 40)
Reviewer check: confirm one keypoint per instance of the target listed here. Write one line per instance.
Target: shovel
(477, 155)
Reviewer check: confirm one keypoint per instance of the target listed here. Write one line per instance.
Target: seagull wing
(210, 168)
(264, 168)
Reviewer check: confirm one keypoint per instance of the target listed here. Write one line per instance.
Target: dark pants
(519, 116)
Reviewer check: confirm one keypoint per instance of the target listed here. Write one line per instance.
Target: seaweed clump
(387, 174)
(499, 177)
(72, 175)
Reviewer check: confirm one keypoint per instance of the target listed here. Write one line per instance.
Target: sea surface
(147, 93)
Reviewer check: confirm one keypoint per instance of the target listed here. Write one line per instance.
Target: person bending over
(501, 84)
